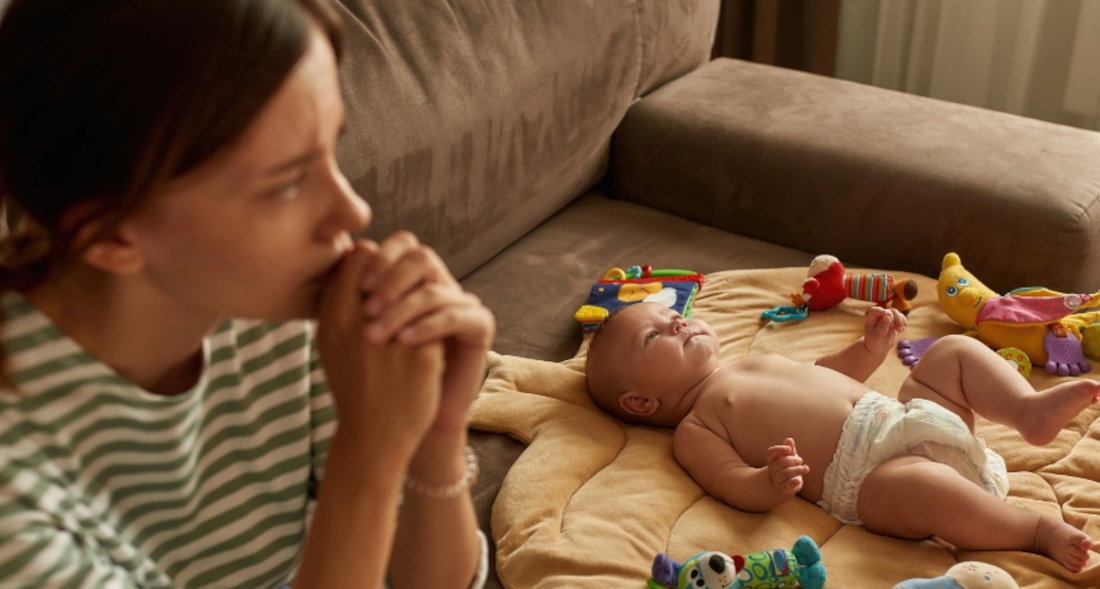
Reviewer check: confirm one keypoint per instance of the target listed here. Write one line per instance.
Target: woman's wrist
(441, 459)
(456, 488)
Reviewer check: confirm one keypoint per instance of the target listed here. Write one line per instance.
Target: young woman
(167, 418)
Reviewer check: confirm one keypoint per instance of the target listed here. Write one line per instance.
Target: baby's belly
(815, 429)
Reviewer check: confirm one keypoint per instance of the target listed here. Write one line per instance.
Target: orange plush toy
(828, 284)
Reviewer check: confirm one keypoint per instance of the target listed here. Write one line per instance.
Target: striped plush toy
(828, 284)
(771, 569)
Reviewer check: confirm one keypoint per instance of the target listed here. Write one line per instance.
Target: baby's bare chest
(755, 409)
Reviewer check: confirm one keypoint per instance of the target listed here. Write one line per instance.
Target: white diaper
(880, 428)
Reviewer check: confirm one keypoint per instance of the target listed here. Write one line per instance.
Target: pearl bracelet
(451, 490)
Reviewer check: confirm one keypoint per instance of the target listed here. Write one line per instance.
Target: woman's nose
(347, 212)
(352, 211)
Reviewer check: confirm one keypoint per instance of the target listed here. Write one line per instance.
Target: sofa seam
(640, 47)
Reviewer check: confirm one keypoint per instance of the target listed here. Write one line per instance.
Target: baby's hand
(881, 329)
(785, 468)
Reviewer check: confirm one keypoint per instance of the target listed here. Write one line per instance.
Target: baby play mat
(592, 500)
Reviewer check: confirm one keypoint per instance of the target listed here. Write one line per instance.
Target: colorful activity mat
(592, 499)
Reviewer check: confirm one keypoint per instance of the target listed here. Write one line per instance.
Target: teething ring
(785, 313)
(615, 274)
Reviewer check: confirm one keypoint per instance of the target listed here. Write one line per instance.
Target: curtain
(1037, 58)
(797, 34)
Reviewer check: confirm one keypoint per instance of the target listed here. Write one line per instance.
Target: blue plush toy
(968, 574)
(800, 566)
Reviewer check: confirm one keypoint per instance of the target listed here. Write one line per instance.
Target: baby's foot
(1047, 412)
(1062, 542)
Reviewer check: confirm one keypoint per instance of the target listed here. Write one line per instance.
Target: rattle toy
(827, 284)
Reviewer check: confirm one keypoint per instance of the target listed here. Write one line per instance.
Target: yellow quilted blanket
(592, 500)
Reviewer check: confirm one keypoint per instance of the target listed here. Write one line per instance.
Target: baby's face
(659, 352)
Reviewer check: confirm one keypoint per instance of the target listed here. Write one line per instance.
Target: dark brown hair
(103, 101)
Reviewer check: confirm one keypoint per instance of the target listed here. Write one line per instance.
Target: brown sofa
(536, 144)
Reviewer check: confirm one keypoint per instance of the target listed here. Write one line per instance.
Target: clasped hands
(402, 344)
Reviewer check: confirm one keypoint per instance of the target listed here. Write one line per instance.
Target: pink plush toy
(828, 284)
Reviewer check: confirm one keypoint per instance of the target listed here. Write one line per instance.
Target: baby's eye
(651, 336)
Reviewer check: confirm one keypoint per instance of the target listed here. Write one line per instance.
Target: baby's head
(645, 359)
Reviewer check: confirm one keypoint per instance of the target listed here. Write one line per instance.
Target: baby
(910, 467)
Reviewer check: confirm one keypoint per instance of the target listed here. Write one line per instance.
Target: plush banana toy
(1047, 326)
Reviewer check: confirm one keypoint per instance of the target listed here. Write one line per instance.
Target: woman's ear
(105, 247)
(636, 403)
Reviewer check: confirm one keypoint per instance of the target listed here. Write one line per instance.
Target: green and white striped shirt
(103, 484)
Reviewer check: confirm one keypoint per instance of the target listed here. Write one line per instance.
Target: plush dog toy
(965, 575)
(828, 284)
(799, 566)
(1048, 327)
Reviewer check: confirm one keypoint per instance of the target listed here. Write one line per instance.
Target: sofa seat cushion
(592, 500)
(536, 285)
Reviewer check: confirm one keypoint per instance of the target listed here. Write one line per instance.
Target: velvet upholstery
(469, 123)
(874, 176)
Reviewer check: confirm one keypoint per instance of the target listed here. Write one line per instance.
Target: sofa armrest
(877, 177)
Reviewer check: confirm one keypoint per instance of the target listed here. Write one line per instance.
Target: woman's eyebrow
(294, 162)
(304, 158)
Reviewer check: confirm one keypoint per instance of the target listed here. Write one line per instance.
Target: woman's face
(255, 232)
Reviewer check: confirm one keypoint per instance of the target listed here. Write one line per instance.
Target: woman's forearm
(350, 537)
(437, 543)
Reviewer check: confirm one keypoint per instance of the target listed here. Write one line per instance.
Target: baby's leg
(964, 375)
(913, 497)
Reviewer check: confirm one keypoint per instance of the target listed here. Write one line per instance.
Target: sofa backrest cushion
(469, 123)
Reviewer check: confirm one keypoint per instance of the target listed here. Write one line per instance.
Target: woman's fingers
(340, 300)
(435, 312)
(389, 251)
(400, 265)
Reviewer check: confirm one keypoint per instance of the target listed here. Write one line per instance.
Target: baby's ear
(636, 403)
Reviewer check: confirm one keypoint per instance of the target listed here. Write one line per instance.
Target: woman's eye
(290, 189)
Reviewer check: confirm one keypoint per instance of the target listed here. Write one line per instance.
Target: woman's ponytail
(24, 247)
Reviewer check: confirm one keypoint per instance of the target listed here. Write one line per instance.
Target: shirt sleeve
(41, 557)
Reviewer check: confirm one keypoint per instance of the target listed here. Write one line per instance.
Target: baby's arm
(865, 355)
(719, 470)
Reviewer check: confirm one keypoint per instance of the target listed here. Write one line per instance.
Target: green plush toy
(799, 566)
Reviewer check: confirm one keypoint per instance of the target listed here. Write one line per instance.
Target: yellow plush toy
(1048, 326)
